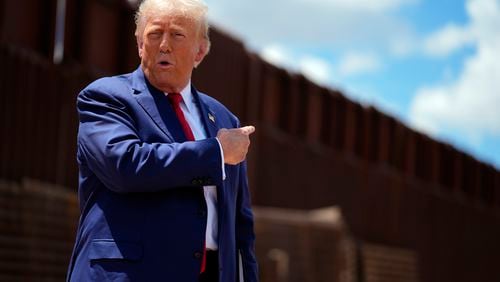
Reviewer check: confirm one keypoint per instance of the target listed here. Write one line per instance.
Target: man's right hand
(235, 143)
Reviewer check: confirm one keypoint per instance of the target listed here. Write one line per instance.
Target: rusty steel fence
(313, 147)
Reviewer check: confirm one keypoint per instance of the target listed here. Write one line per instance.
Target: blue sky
(435, 65)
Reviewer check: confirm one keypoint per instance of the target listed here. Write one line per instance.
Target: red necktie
(175, 100)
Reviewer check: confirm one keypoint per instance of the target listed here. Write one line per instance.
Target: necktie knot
(175, 98)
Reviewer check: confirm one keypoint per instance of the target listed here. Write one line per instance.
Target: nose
(165, 45)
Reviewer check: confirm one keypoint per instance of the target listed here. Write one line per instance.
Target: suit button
(202, 213)
(198, 255)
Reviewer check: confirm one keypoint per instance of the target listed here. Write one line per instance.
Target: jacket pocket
(109, 249)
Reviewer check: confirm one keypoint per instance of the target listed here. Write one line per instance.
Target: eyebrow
(155, 25)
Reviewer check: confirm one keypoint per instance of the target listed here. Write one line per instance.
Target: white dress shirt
(193, 118)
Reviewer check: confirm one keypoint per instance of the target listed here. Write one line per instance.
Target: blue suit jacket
(143, 215)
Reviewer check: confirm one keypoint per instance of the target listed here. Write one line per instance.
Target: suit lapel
(157, 107)
(208, 116)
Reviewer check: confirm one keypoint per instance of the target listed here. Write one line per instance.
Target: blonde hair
(192, 9)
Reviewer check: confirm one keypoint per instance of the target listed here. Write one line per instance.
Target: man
(163, 188)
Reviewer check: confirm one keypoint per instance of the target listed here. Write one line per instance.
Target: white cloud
(314, 68)
(485, 25)
(366, 5)
(470, 104)
(445, 41)
(358, 63)
(318, 69)
(334, 24)
(277, 55)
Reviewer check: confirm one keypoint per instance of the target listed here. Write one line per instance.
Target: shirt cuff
(222, 160)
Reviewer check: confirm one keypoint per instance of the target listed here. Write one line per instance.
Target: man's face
(170, 47)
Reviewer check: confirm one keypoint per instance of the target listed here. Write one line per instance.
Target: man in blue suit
(163, 188)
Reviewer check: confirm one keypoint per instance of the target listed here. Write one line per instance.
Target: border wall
(396, 188)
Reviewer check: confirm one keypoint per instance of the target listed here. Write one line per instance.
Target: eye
(154, 34)
(178, 35)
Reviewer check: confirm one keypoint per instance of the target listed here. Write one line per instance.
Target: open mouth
(164, 63)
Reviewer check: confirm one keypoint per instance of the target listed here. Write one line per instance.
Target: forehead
(171, 18)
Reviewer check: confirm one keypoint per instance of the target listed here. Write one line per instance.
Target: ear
(201, 52)
(140, 45)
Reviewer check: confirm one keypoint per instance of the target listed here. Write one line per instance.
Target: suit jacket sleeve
(245, 236)
(109, 144)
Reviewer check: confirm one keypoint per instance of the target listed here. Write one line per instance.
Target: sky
(433, 64)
